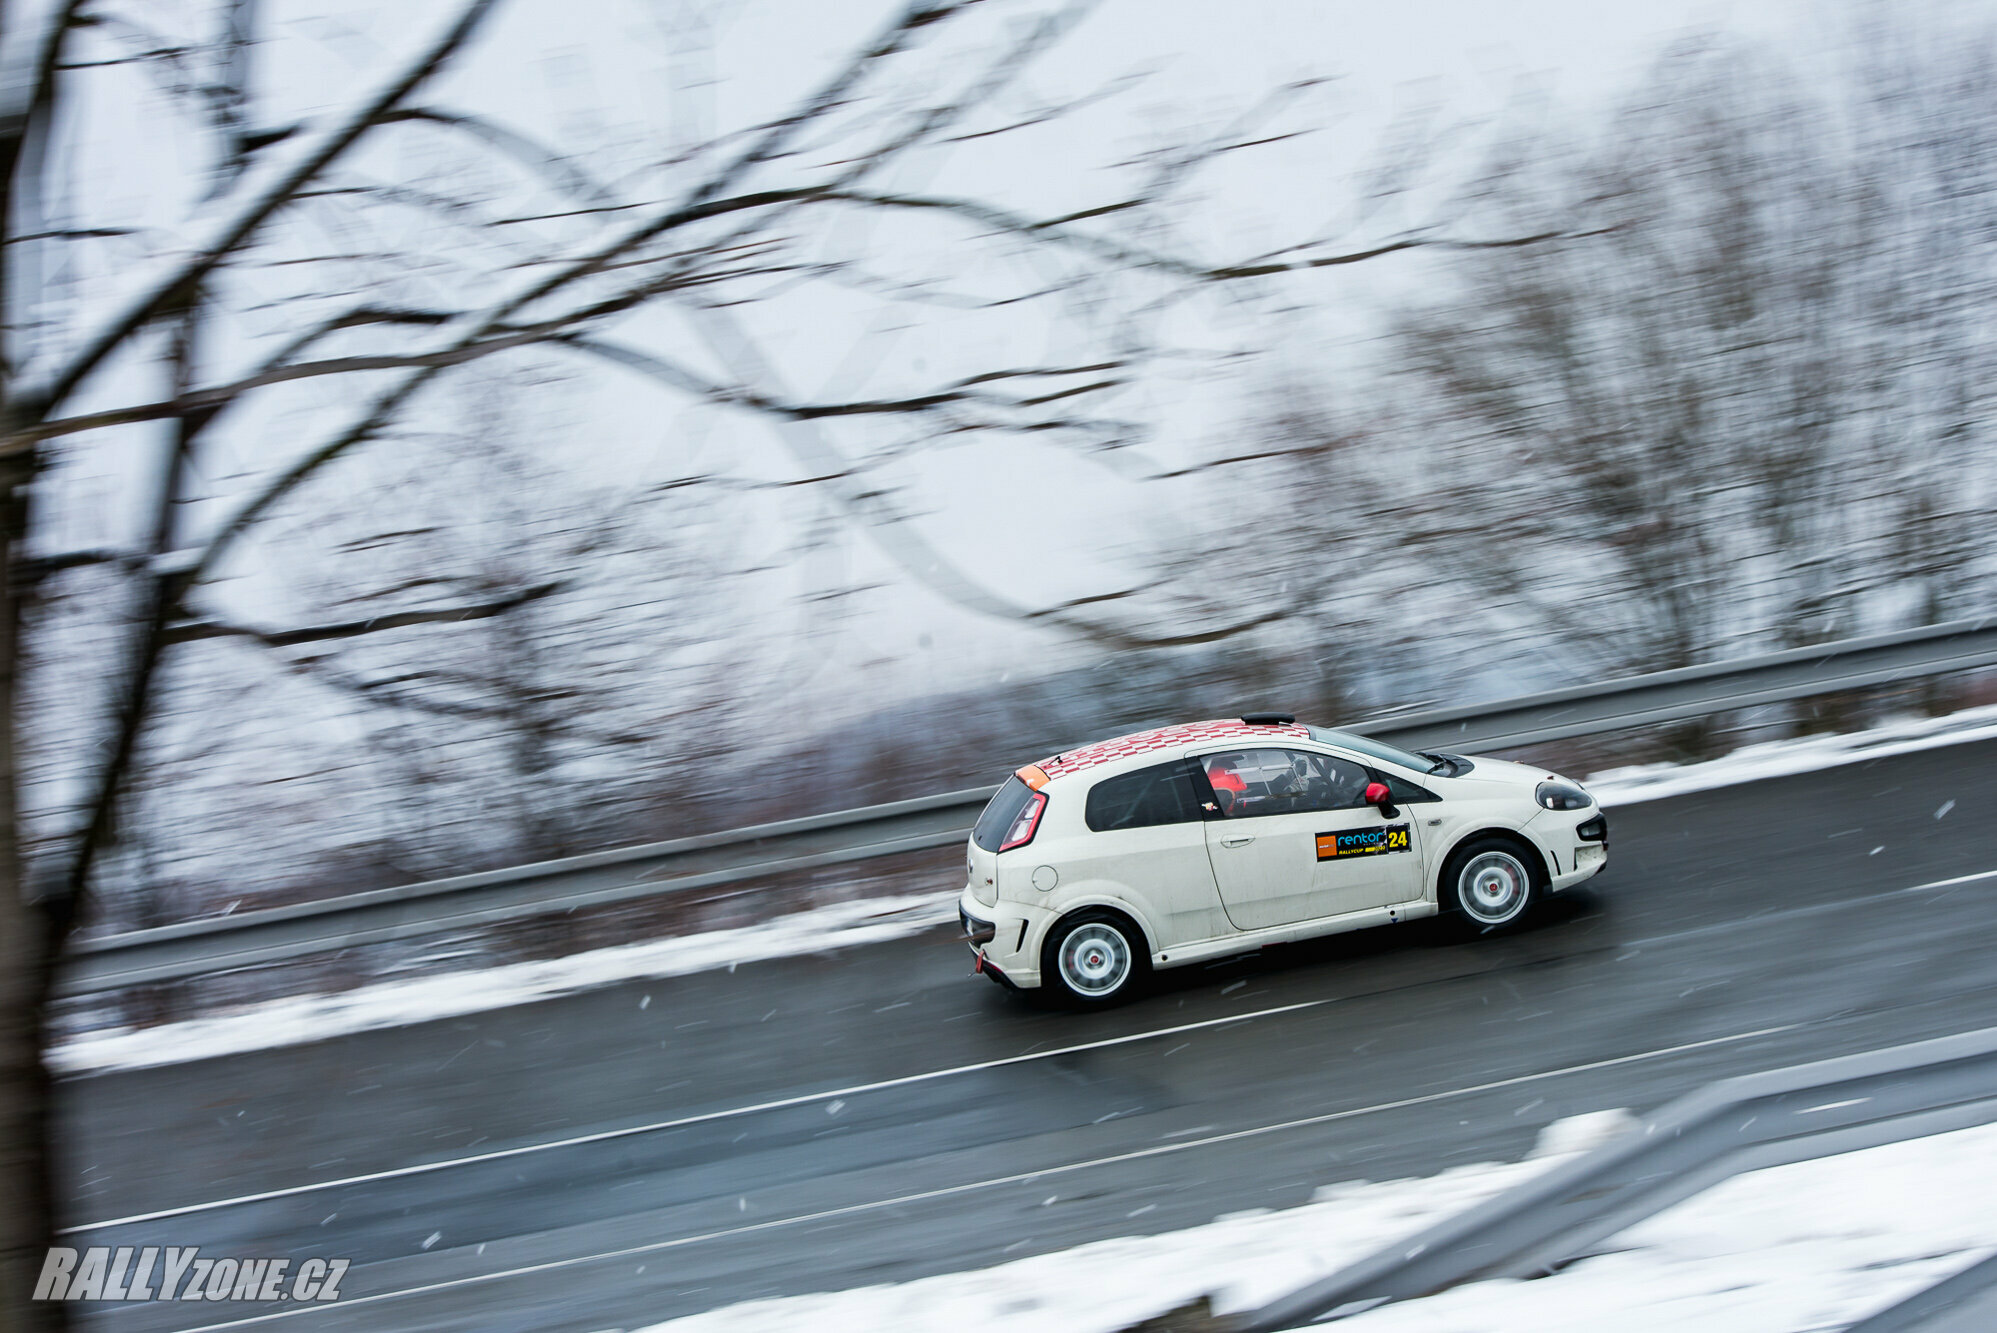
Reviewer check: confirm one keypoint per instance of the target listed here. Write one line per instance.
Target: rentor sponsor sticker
(1363, 842)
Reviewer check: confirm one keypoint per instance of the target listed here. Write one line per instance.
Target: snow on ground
(303, 1018)
(1804, 754)
(1814, 1245)
(391, 1003)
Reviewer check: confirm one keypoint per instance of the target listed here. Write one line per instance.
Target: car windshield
(1380, 750)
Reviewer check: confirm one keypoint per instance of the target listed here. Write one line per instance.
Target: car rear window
(998, 816)
(1161, 794)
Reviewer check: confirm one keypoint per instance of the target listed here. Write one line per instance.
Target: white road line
(847, 1210)
(1834, 1106)
(803, 1099)
(1959, 879)
(1812, 909)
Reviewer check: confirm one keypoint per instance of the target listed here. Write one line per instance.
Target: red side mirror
(1376, 793)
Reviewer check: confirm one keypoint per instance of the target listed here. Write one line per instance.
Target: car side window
(1161, 794)
(1248, 783)
(1407, 793)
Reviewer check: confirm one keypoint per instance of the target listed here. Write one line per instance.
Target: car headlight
(1558, 795)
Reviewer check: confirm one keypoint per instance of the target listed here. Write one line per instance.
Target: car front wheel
(1489, 885)
(1093, 958)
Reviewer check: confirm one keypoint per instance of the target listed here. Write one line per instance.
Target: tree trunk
(30, 935)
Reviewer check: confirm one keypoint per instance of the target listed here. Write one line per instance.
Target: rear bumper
(1006, 937)
(992, 970)
(977, 930)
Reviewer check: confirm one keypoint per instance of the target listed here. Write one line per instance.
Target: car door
(1296, 841)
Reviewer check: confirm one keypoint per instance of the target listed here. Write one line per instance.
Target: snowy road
(666, 1146)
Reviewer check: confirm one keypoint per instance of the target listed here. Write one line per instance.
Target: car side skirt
(1249, 941)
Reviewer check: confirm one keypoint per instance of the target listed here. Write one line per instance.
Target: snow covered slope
(1810, 1246)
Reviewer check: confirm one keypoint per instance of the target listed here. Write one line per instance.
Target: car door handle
(1236, 839)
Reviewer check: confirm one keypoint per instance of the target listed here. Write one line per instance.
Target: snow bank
(1804, 754)
(393, 1003)
(1814, 1245)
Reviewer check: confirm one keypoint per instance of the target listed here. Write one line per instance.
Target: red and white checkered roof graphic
(1167, 738)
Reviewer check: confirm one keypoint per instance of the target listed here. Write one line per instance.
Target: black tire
(1491, 884)
(1094, 959)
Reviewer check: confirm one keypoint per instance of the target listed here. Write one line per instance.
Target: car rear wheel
(1093, 958)
(1490, 885)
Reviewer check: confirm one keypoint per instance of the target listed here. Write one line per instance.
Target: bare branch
(1116, 636)
(241, 222)
(555, 167)
(894, 37)
(1132, 255)
(74, 234)
(960, 394)
(395, 692)
(1003, 69)
(358, 317)
(1175, 168)
(1260, 456)
(35, 569)
(1055, 230)
(1056, 111)
(221, 395)
(442, 615)
(773, 142)
(883, 521)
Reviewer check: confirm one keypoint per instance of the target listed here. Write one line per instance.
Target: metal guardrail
(1700, 691)
(1735, 1125)
(267, 935)
(194, 948)
(1964, 1302)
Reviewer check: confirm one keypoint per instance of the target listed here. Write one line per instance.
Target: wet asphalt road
(1735, 930)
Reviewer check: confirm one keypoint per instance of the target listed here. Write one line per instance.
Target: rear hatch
(989, 836)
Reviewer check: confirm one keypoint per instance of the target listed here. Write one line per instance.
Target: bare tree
(617, 647)
(1924, 141)
(1751, 408)
(320, 279)
(497, 662)
(45, 366)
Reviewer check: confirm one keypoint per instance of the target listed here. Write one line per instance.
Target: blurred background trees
(584, 639)
(1745, 406)
(1754, 411)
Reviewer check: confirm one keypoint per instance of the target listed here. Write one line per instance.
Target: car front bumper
(1579, 844)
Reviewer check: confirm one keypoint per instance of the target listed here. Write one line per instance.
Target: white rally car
(1183, 844)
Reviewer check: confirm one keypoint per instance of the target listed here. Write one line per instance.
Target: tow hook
(979, 965)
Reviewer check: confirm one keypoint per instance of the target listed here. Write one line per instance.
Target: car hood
(1496, 773)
